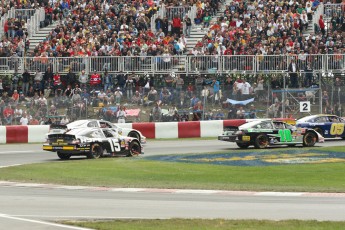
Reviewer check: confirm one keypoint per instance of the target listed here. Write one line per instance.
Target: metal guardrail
(178, 64)
(330, 9)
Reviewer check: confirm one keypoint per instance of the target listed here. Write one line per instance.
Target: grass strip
(207, 224)
(139, 172)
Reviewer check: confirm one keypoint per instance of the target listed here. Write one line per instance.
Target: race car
(329, 126)
(92, 143)
(265, 133)
(99, 124)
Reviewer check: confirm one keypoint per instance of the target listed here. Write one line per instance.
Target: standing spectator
(26, 77)
(95, 81)
(273, 110)
(308, 75)
(15, 97)
(187, 26)
(293, 72)
(325, 99)
(48, 74)
(8, 115)
(83, 79)
(18, 112)
(179, 85)
(107, 81)
(38, 81)
(216, 91)
(156, 113)
(130, 86)
(1, 87)
(14, 83)
(322, 25)
(176, 25)
(70, 79)
(246, 89)
(121, 115)
(118, 95)
(57, 84)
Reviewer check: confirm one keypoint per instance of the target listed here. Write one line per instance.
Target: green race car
(263, 133)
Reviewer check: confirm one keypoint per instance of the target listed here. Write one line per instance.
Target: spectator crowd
(119, 28)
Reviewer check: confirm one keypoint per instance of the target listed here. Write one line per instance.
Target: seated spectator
(165, 96)
(240, 114)
(152, 95)
(137, 99)
(118, 95)
(156, 113)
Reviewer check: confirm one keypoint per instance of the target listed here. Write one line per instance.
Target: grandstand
(154, 41)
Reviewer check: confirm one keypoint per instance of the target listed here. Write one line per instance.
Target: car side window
(92, 124)
(333, 119)
(321, 119)
(279, 125)
(266, 125)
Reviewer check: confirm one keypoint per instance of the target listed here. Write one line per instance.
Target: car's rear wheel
(261, 141)
(134, 148)
(243, 145)
(309, 139)
(96, 151)
(63, 156)
(319, 130)
(135, 135)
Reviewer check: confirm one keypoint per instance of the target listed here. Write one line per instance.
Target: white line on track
(17, 151)
(41, 222)
(7, 166)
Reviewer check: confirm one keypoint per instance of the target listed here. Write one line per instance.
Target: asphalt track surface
(33, 207)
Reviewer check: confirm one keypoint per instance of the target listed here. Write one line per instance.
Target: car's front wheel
(63, 156)
(243, 145)
(309, 139)
(96, 151)
(261, 141)
(134, 148)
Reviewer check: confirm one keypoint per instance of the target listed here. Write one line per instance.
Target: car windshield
(77, 123)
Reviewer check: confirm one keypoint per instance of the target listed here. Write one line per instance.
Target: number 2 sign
(304, 106)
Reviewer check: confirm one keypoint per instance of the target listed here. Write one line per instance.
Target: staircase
(197, 33)
(41, 35)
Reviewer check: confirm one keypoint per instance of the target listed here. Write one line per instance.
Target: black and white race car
(92, 143)
(93, 123)
(263, 133)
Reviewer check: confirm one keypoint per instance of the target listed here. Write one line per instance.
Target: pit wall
(159, 130)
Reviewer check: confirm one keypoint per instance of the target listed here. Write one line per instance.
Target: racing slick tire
(243, 145)
(135, 135)
(63, 156)
(261, 141)
(134, 148)
(309, 139)
(96, 151)
(319, 130)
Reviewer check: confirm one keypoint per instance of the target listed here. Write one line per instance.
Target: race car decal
(337, 129)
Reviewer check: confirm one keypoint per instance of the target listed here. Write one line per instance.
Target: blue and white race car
(329, 126)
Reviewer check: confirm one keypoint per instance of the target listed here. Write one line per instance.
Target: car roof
(305, 119)
(252, 123)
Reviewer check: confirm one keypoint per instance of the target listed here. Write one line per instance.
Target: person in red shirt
(176, 25)
(15, 96)
(8, 115)
(322, 25)
(95, 81)
(57, 83)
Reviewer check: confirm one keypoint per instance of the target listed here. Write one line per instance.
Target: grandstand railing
(180, 11)
(24, 14)
(330, 9)
(33, 23)
(167, 64)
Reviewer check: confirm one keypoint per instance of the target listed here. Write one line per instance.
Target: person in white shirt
(24, 120)
(121, 115)
(64, 121)
(245, 90)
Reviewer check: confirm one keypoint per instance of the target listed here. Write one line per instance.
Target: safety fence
(330, 10)
(178, 64)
